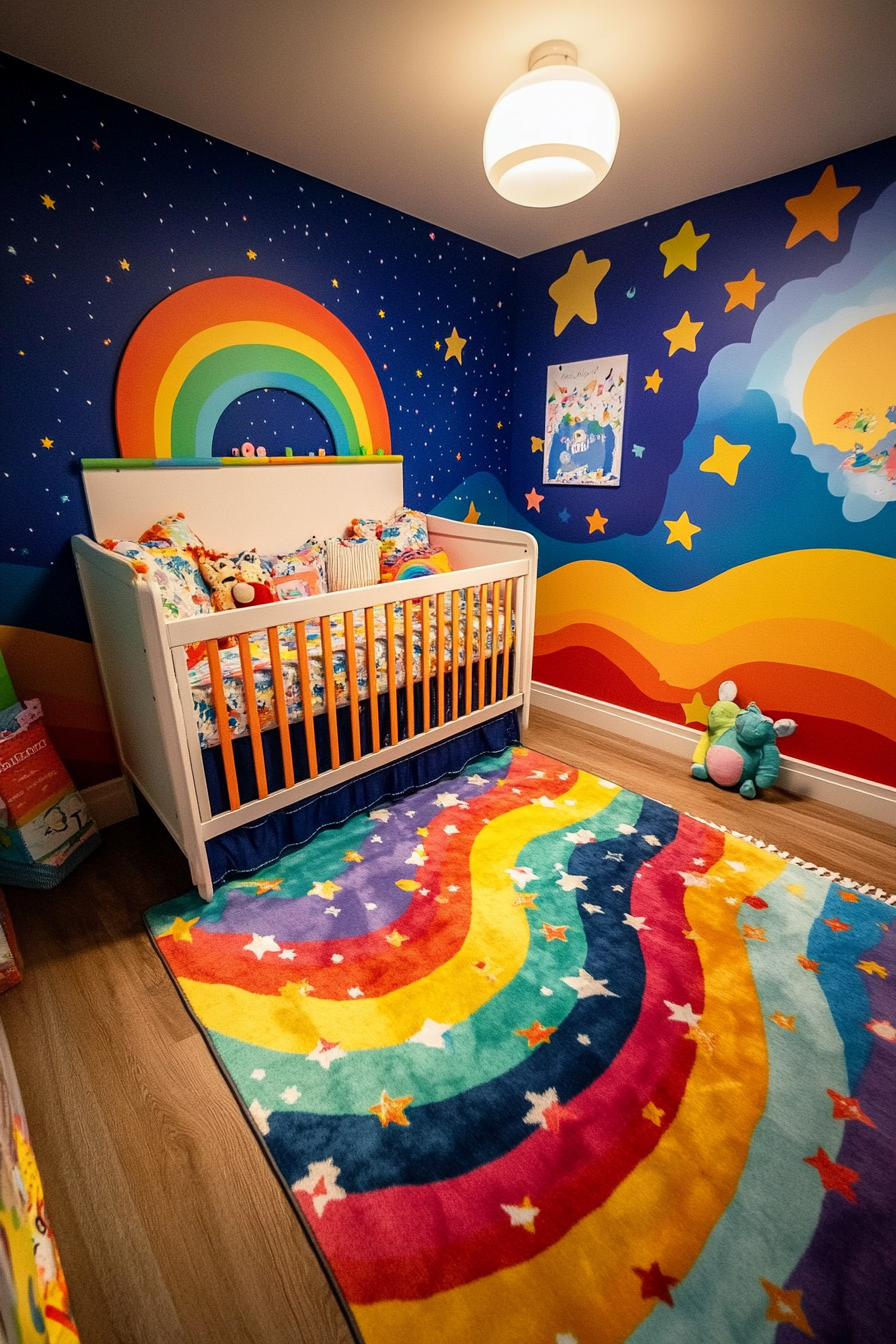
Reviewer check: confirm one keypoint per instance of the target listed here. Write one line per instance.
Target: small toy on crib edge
(251, 594)
(739, 748)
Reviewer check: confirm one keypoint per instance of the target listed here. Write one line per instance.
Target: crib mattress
(234, 690)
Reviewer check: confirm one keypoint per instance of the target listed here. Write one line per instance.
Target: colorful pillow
(312, 554)
(414, 564)
(173, 571)
(304, 583)
(176, 531)
(221, 572)
(352, 563)
(365, 529)
(404, 531)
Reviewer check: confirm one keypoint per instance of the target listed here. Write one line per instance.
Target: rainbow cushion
(415, 564)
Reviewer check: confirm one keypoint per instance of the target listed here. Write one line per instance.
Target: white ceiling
(389, 98)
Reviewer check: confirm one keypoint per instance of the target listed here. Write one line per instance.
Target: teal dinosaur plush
(739, 748)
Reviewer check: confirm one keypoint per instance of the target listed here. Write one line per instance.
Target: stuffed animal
(739, 748)
(251, 594)
(223, 572)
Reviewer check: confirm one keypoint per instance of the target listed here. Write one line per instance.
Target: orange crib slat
(351, 680)
(496, 613)
(483, 632)
(261, 775)
(455, 651)
(307, 702)
(508, 636)
(468, 651)
(408, 608)
(326, 645)
(223, 721)
(424, 658)
(390, 671)
(440, 655)
(273, 633)
(371, 679)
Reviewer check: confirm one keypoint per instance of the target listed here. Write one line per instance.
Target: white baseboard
(112, 800)
(864, 796)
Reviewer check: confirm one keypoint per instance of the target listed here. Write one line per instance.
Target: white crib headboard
(233, 504)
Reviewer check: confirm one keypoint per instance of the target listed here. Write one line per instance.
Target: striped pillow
(352, 564)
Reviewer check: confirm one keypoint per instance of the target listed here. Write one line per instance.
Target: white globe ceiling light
(552, 135)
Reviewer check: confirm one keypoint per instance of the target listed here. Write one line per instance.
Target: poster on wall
(583, 421)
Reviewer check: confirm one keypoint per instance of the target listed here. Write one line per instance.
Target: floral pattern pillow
(173, 571)
(312, 554)
(175, 531)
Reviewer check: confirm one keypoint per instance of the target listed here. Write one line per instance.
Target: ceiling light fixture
(552, 135)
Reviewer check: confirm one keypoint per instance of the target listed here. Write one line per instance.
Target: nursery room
(497, 941)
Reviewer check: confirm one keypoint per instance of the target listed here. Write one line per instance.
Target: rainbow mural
(209, 343)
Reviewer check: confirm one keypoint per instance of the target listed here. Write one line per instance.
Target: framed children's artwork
(583, 422)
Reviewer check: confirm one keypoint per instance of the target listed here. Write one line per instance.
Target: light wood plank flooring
(172, 1227)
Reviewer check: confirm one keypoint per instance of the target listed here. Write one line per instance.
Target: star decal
(521, 877)
(592, 909)
(872, 968)
(391, 1110)
(785, 1304)
(304, 987)
(681, 529)
(638, 449)
(848, 1108)
(783, 1020)
(260, 1116)
(454, 346)
(380, 814)
(251, 255)
(472, 515)
(683, 336)
(352, 856)
(325, 890)
(396, 938)
(581, 837)
(807, 963)
(574, 292)
(726, 458)
(535, 1034)
(554, 933)
(335, 284)
(696, 710)
(290, 1095)
(179, 930)
(819, 211)
(522, 1215)
(534, 500)
(270, 884)
(332, 910)
(326, 1053)
(526, 899)
(356, 992)
(450, 830)
(596, 523)
(743, 291)
(125, 264)
(537, 444)
(682, 249)
(261, 944)
(46, 443)
(652, 381)
(431, 1034)
(834, 1176)
(381, 313)
(29, 280)
(653, 1113)
(682, 1012)
(572, 882)
(836, 925)
(654, 1283)
(48, 201)
(638, 922)
(448, 799)
(587, 987)
(321, 1184)
(547, 1111)
(611, 854)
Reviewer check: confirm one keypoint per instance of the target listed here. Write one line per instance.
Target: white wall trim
(864, 796)
(110, 801)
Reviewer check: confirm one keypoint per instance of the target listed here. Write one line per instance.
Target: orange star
(653, 1113)
(391, 1110)
(125, 264)
(834, 1176)
(351, 856)
(785, 1304)
(752, 931)
(554, 933)
(473, 514)
(270, 884)
(28, 280)
(819, 212)
(180, 930)
(535, 1034)
(848, 896)
(251, 255)
(654, 1283)
(652, 381)
(782, 1020)
(335, 284)
(848, 1108)
(526, 898)
(46, 443)
(534, 500)
(743, 291)
(807, 963)
(872, 968)
(48, 201)
(837, 925)
(595, 522)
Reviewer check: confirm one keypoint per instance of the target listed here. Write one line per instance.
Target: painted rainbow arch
(213, 341)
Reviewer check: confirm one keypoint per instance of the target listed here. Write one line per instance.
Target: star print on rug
(321, 1184)
(554, 932)
(587, 987)
(390, 1110)
(785, 1304)
(326, 1053)
(261, 944)
(654, 1283)
(547, 1111)
(848, 1108)
(522, 1215)
(535, 1034)
(325, 890)
(834, 1176)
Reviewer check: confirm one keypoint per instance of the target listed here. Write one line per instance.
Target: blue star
(64, 499)
(564, 516)
(638, 450)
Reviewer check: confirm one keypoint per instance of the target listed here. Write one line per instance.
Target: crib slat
(483, 633)
(307, 702)
(468, 652)
(371, 679)
(455, 651)
(496, 612)
(326, 646)
(408, 608)
(289, 776)
(508, 637)
(424, 658)
(261, 775)
(222, 720)
(351, 680)
(390, 672)
(440, 655)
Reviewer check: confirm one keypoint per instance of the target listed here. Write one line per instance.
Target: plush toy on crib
(739, 748)
(251, 594)
(235, 580)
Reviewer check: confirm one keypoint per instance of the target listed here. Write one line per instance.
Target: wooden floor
(171, 1225)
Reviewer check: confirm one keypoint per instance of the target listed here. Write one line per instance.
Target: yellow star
(46, 443)
(500, 424)
(695, 711)
(595, 522)
(472, 515)
(423, 830)
(382, 312)
(396, 938)
(743, 291)
(682, 249)
(335, 284)
(180, 930)
(653, 1113)
(125, 264)
(269, 884)
(682, 529)
(782, 1020)
(48, 201)
(819, 212)
(872, 968)
(438, 345)
(419, 373)
(537, 445)
(652, 381)
(726, 458)
(251, 255)
(574, 292)
(304, 987)
(684, 336)
(351, 856)
(391, 1110)
(28, 279)
(785, 1304)
(325, 890)
(454, 346)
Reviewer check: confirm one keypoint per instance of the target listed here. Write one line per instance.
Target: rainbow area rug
(544, 1062)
